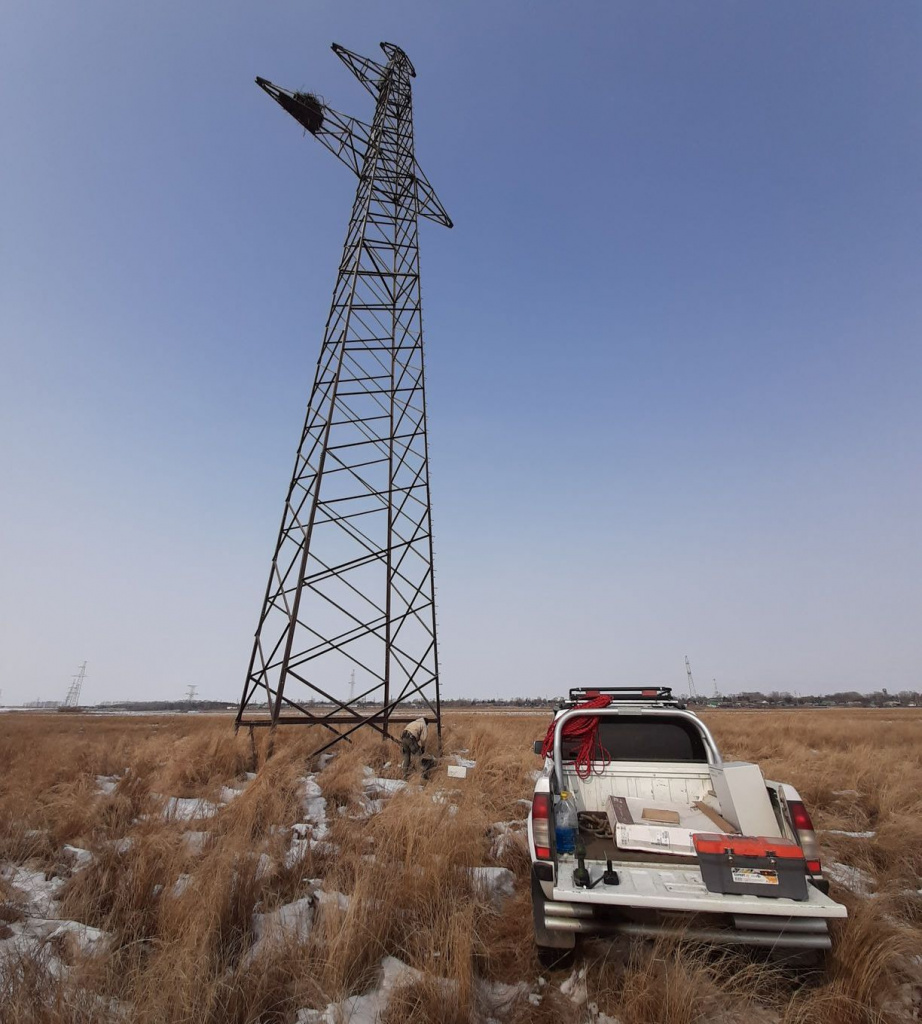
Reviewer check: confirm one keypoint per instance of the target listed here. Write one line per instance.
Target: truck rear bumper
(777, 933)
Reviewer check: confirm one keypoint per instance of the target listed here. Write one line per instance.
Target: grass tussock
(185, 900)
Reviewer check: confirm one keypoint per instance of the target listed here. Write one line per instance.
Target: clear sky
(673, 340)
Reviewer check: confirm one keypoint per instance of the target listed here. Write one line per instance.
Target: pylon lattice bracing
(351, 588)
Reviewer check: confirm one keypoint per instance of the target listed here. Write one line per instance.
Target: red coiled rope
(586, 730)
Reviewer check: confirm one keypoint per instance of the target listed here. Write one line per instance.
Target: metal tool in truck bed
(650, 786)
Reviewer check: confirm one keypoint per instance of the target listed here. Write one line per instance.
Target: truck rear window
(641, 738)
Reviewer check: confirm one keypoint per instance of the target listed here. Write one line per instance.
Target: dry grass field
(152, 870)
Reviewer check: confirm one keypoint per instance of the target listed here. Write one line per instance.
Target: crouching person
(413, 744)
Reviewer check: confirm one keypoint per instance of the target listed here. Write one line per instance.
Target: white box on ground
(457, 771)
(743, 798)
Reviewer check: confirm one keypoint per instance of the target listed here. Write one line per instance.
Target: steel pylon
(351, 588)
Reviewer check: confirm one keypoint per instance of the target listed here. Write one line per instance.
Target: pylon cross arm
(348, 138)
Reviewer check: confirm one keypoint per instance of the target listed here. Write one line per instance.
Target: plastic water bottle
(566, 823)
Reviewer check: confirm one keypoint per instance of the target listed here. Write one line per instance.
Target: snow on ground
(494, 997)
(497, 883)
(77, 857)
(854, 879)
(195, 841)
(375, 786)
(851, 835)
(506, 835)
(463, 762)
(576, 991)
(181, 808)
(106, 783)
(315, 805)
(40, 894)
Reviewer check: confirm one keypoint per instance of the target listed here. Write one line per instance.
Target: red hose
(585, 728)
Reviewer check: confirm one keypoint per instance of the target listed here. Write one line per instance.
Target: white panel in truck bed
(743, 798)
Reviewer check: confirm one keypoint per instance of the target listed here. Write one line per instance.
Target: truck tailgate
(680, 887)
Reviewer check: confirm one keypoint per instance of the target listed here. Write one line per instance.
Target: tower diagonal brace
(351, 589)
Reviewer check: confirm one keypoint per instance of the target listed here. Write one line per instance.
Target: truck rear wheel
(555, 949)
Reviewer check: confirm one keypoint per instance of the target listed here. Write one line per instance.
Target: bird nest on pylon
(305, 108)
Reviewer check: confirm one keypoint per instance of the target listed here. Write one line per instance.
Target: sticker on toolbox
(759, 876)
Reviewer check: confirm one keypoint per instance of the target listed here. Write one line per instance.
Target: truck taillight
(541, 825)
(806, 835)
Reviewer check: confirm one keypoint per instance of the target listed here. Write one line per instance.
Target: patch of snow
(574, 988)
(296, 852)
(506, 835)
(89, 941)
(40, 893)
(77, 857)
(854, 879)
(367, 772)
(30, 936)
(250, 776)
(180, 808)
(496, 997)
(106, 783)
(495, 882)
(851, 835)
(263, 866)
(328, 849)
(339, 899)
(315, 805)
(180, 885)
(325, 758)
(290, 921)
(195, 841)
(228, 793)
(370, 1007)
(122, 845)
(463, 762)
(376, 786)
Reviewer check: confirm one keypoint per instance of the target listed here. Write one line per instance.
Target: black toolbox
(752, 866)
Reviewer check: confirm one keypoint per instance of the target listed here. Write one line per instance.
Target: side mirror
(539, 746)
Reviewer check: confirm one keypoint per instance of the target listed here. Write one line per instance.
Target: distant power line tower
(351, 584)
(692, 692)
(72, 700)
(190, 692)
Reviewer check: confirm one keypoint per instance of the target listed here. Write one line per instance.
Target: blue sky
(673, 340)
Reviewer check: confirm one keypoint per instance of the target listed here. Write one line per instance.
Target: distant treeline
(747, 699)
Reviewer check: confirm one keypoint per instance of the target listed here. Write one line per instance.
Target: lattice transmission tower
(72, 700)
(351, 588)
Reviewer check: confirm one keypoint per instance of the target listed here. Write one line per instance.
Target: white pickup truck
(654, 782)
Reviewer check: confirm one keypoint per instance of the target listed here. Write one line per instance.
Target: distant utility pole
(190, 693)
(72, 700)
(716, 691)
(692, 692)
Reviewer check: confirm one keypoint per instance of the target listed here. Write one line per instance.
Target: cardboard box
(655, 839)
(660, 815)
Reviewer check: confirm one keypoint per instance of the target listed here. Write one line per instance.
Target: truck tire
(555, 949)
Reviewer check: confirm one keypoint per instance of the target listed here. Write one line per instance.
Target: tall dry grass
(182, 909)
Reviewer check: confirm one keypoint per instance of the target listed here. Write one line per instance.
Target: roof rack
(661, 695)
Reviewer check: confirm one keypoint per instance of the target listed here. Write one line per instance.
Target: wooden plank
(717, 818)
